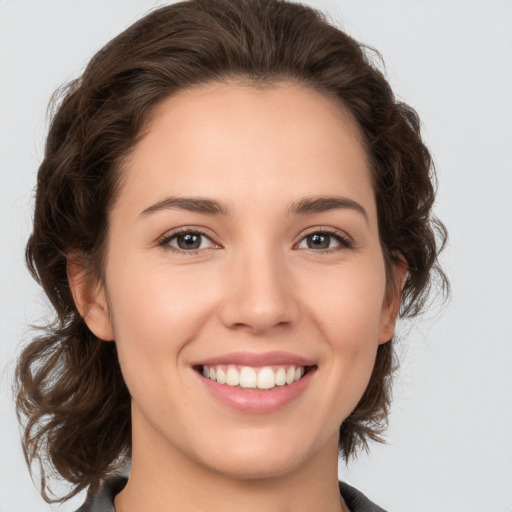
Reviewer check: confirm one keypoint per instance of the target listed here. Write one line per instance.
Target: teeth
(221, 376)
(248, 377)
(266, 377)
(280, 377)
(232, 377)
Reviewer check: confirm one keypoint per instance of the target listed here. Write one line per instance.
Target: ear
(392, 301)
(90, 299)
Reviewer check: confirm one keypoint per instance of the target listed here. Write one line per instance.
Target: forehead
(278, 110)
(277, 141)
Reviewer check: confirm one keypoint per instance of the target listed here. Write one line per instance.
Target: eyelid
(346, 240)
(163, 241)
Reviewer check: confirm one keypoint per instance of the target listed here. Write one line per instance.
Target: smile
(256, 383)
(248, 377)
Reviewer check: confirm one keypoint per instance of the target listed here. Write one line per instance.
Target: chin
(259, 468)
(255, 459)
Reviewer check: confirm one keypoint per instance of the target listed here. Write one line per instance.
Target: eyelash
(344, 241)
(165, 241)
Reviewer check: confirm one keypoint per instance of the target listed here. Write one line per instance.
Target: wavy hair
(71, 398)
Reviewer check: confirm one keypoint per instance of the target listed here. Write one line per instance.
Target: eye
(324, 240)
(188, 241)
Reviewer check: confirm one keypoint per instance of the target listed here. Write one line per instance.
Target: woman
(230, 214)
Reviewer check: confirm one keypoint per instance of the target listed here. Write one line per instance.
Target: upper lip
(255, 359)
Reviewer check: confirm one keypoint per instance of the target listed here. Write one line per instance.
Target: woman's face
(244, 244)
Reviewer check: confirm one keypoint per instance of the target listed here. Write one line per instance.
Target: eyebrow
(304, 206)
(191, 204)
(325, 204)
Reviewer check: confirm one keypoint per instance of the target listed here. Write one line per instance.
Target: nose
(259, 294)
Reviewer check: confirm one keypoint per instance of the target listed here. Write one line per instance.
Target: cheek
(348, 303)
(152, 301)
(156, 312)
(348, 314)
(153, 318)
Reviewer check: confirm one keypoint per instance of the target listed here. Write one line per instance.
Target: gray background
(449, 444)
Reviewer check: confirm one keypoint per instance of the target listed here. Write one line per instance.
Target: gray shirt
(104, 500)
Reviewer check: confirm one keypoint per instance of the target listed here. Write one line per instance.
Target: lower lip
(257, 400)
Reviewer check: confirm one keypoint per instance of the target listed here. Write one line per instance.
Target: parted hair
(71, 398)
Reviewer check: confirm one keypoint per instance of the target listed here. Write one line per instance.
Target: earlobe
(391, 306)
(90, 299)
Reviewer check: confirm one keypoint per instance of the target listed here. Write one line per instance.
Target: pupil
(189, 241)
(318, 241)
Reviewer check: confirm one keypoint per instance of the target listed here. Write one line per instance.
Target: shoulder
(104, 500)
(356, 500)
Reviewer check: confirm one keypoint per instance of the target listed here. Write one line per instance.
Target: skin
(254, 285)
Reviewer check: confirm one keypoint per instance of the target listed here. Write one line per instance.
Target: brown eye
(188, 241)
(319, 241)
(324, 240)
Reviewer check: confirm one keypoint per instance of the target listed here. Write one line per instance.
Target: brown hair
(71, 396)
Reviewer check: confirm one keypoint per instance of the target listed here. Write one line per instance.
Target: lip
(255, 359)
(252, 400)
(255, 400)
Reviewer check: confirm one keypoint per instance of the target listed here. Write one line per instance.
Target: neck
(164, 478)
